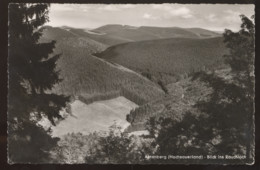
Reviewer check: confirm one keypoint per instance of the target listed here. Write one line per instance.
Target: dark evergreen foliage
(31, 73)
(225, 124)
(117, 147)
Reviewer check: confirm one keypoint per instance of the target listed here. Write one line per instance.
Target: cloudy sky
(208, 16)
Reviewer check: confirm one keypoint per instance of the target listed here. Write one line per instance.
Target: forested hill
(89, 77)
(164, 60)
(168, 59)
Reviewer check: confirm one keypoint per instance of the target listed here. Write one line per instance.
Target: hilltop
(117, 34)
(150, 33)
(168, 60)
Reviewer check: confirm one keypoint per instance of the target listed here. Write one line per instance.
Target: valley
(146, 67)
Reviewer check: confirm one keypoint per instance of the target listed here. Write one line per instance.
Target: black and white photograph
(164, 83)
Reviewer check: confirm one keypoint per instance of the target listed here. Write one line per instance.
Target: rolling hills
(134, 67)
(204, 33)
(87, 76)
(130, 33)
(117, 34)
(168, 60)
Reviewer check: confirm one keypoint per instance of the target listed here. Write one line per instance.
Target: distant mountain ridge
(114, 34)
(115, 27)
(150, 33)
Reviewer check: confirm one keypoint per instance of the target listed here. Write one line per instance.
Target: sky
(214, 17)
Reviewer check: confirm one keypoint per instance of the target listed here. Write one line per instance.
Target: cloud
(182, 12)
(173, 11)
(211, 17)
(59, 7)
(70, 7)
(127, 6)
(161, 7)
(232, 16)
(149, 16)
(116, 7)
(109, 8)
